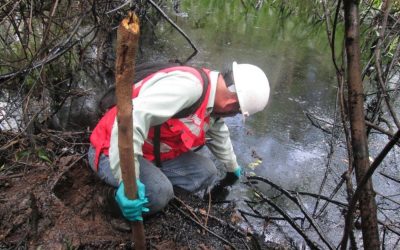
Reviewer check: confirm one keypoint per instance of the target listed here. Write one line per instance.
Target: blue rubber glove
(238, 171)
(132, 209)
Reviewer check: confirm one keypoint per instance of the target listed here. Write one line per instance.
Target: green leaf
(42, 154)
(255, 164)
(21, 154)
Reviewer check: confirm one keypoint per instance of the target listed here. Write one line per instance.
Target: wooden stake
(127, 44)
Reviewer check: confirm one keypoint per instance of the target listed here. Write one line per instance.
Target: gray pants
(190, 171)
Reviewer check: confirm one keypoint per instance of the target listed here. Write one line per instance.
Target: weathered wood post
(127, 44)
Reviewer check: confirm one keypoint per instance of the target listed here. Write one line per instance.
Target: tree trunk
(358, 129)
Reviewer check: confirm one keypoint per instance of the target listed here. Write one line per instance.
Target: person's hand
(132, 209)
(220, 190)
(231, 177)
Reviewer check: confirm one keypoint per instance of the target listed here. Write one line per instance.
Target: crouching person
(176, 110)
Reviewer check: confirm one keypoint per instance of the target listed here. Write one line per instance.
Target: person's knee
(191, 171)
(159, 189)
(159, 196)
(210, 171)
(206, 176)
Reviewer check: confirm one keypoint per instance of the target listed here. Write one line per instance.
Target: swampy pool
(280, 143)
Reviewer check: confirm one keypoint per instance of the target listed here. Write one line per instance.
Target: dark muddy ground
(64, 206)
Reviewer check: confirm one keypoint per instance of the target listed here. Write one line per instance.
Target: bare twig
(177, 28)
(328, 199)
(119, 7)
(388, 198)
(366, 177)
(333, 193)
(381, 81)
(189, 209)
(390, 177)
(203, 227)
(298, 202)
(315, 121)
(209, 208)
(53, 54)
(310, 243)
(264, 217)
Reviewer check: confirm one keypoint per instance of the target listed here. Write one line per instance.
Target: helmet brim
(238, 83)
(252, 88)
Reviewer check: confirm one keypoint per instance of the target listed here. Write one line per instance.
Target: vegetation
(50, 48)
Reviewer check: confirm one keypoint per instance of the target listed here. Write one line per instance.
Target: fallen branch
(189, 209)
(220, 221)
(315, 122)
(390, 228)
(322, 197)
(298, 202)
(65, 169)
(203, 227)
(310, 243)
(266, 218)
(333, 193)
(390, 177)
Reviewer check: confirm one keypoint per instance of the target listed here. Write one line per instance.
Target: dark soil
(65, 206)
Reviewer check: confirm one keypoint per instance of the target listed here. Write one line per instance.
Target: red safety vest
(177, 135)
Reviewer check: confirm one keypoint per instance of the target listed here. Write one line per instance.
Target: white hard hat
(252, 88)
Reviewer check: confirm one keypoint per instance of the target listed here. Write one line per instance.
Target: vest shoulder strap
(143, 70)
(190, 110)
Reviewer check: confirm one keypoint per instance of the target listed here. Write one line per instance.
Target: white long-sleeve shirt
(159, 99)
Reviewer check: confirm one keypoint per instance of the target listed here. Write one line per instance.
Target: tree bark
(127, 44)
(359, 139)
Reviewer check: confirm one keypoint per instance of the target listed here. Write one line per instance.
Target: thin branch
(382, 82)
(47, 30)
(119, 7)
(12, 10)
(390, 228)
(390, 177)
(177, 28)
(377, 128)
(203, 227)
(315, 121)
(189, 209)
(388, 198)
(334, 35)
(322, 197)
(311, 243)
(266, 218)
(333, 193)
(298, 202)
(364, 180)
(57, 51)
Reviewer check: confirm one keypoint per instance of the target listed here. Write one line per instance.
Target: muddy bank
(65, 206)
